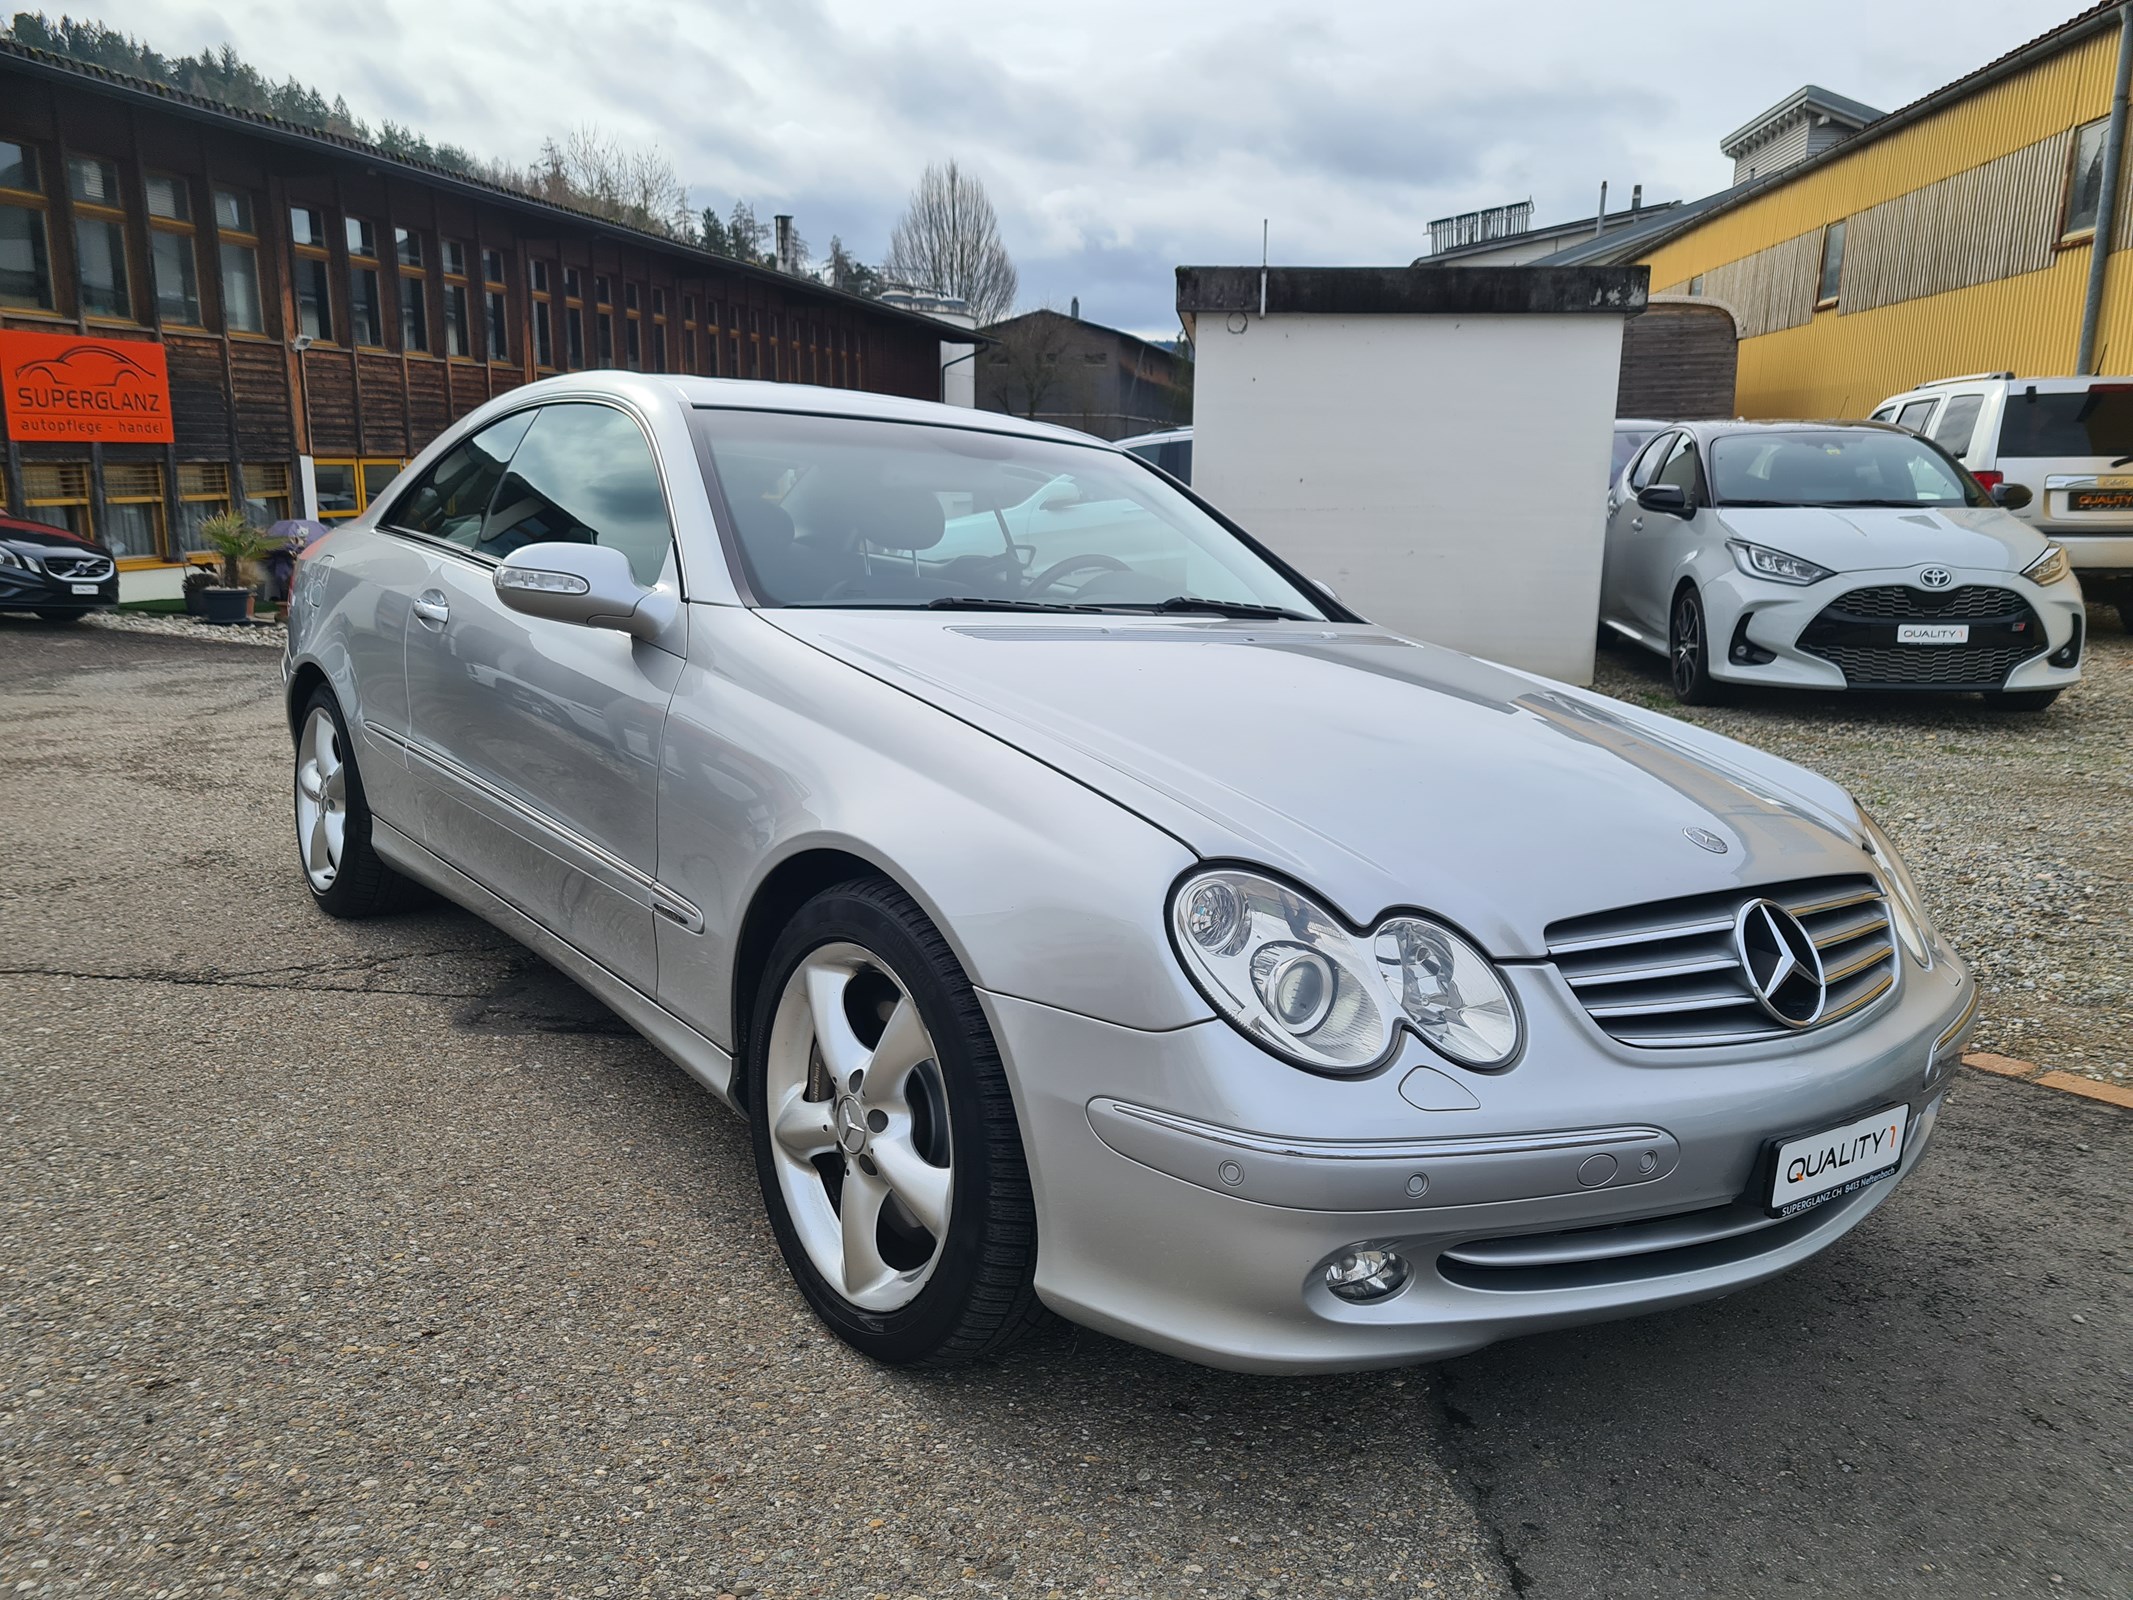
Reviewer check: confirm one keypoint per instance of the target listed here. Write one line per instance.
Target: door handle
(1636, 525)
(430, 607)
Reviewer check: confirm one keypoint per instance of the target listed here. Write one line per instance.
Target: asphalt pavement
(377, 1257)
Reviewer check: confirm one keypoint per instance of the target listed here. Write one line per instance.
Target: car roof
(1648, 424)
(1710, 428)
(1166, 436)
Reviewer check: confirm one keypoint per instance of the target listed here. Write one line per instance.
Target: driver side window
(585, 474)
(449, 501)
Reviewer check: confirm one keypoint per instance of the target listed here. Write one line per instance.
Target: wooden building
(319, 310)
(1054, 367)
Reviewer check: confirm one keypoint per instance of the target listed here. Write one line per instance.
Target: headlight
(1907, 907)
(10, 558)
(2050, 567)
(1760, 561)
(1292, 978)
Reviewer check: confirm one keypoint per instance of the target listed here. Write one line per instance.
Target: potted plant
(195, 588)
(236, 541)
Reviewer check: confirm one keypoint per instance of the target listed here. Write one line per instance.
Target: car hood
(36, 536)
(1372, 769)
(1861, 538)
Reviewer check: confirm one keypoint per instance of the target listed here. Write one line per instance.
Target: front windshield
(841, 511)
(1836, 467)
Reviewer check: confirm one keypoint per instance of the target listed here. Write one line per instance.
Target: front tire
(885, 1139)
(347, 878)
(1688, 652)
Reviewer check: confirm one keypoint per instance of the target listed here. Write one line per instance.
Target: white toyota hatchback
(1833, 555)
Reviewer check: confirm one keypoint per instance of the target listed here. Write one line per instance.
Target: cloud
(1117, 138)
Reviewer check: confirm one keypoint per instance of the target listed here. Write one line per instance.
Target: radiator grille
(1856, 632)
(1669, 976)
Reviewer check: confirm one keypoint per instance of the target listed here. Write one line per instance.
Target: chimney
(1636, 197)
(1074, 308)
(1599, 223)
(785, 260)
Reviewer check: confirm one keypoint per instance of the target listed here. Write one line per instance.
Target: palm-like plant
(236, 541)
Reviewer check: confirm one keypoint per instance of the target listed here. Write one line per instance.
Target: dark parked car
(57, 574)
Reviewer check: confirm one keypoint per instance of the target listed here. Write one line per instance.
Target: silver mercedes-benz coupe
(1085, 909)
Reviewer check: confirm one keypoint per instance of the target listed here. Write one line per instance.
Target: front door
(1627, 523)
(538, 742)
(1654, 551)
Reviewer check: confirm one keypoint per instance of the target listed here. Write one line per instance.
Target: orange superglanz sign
(67, 387)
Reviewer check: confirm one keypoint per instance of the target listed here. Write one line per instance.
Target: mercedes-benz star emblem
(851, 1127)
(1781, 963)
(1707, 839)
(1935, 577)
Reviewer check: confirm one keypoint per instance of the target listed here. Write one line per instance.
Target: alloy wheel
(858, 1119)
(321, 799)
(1687, 654)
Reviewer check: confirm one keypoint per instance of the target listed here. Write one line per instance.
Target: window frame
(364, 260)
(153, 497)
(184, 228)
(357, 466)
(109, 214)
(1825, 301)
(35, 204)
(86, 499)
(244, 241)
(1655, 451)
(458, 330)
(1930, 402)
(496, 307)
(411, 286)
(2067, 235)
(314, 258)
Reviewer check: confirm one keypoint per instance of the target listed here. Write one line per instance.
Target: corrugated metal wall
(1952, 263)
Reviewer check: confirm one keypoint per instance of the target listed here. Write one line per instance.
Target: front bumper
(22, 589)
(1191, 1189)
(1769, 619)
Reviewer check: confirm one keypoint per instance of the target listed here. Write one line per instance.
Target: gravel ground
(377, 1258)
(2018, 827)
(175, 625)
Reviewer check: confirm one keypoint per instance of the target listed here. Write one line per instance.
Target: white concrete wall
(1447, 475)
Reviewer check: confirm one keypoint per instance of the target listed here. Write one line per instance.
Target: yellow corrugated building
(1952, 236)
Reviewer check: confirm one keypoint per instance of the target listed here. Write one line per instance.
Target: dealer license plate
(2100, 499)
(83, 588)
(1822, 1166)
(1932, 633)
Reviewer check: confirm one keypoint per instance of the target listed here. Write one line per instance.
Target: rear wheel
(346, 876)
(885, 1139)
(2022, 700)
(1688, 652)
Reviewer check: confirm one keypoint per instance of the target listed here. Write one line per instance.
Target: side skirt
(691, 1051)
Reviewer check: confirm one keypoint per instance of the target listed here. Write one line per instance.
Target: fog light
(1366, 1273)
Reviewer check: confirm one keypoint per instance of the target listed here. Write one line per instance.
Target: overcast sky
(1119, 138)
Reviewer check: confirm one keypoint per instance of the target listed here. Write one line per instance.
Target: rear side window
(1958, 420)
(1680, 467)
(1648, 463)
(1913, 416)
(449, 501)
(2098, 422)
(584, 475)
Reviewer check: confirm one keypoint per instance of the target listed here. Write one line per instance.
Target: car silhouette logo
(1935, 577)
(97, 366)
(1778, 957)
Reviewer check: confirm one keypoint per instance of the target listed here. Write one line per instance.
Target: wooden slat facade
(242, 397)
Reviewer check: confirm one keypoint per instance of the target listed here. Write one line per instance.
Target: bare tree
(948, 243)
(1036, 379)
(596, 172)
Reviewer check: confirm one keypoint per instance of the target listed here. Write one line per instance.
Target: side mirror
(1668, 497)
(1060, 496)
(588, 584)
(2011, 496)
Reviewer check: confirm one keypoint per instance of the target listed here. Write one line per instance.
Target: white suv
(2068, 441)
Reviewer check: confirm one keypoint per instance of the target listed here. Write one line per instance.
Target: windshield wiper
(1179, 604)
(979, 602)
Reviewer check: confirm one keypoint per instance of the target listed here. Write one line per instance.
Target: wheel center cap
(851, 1125)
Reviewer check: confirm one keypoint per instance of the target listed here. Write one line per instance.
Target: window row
(136, 516)
(102, 261)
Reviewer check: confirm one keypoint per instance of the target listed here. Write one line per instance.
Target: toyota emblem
(1935, 577)
(1781, 963)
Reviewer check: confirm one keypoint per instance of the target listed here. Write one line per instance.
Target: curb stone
(2110, 1094)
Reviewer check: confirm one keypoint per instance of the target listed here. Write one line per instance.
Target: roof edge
(54, 67)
